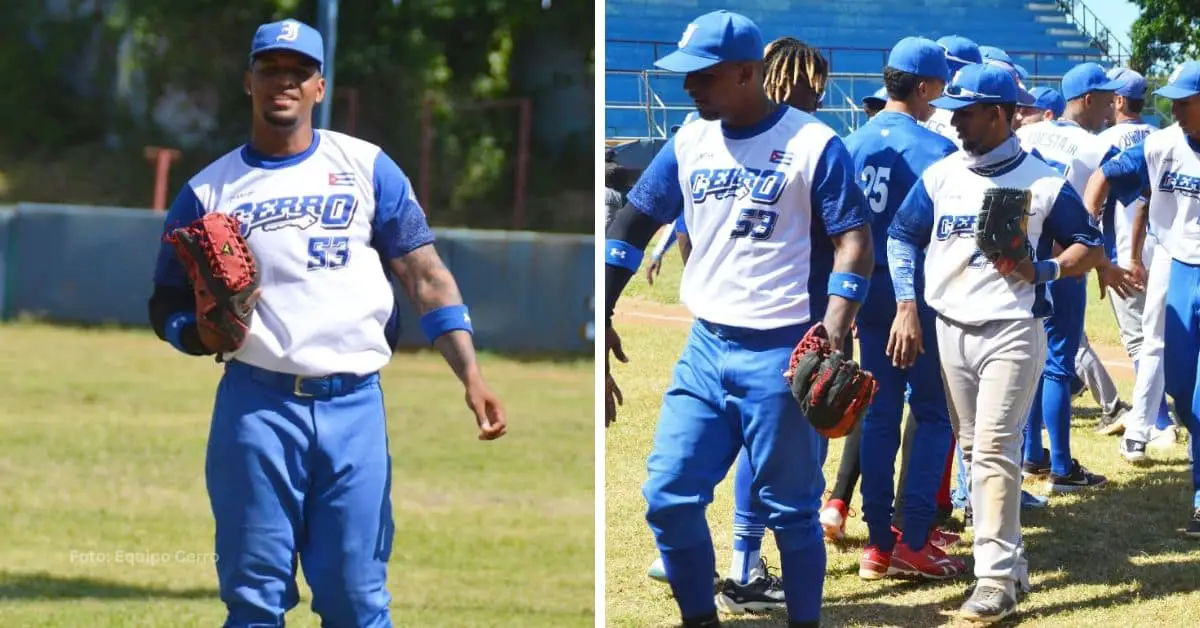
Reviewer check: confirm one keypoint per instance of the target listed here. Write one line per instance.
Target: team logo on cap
(687, 35)
(1175, 74)
(290, 32)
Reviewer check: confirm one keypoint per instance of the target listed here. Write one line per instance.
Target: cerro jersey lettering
(960, 283)
(939, 123)
(1068, 148)
(1174, 175)
(759, 248)
(1121, 136)
(319, 225)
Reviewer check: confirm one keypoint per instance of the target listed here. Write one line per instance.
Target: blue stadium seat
(854, 35)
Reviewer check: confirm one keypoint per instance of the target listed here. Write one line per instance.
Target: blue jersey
(890, 153)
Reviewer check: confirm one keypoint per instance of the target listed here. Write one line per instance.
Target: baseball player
(874, 103)
(298, 469)
(960, 52)
(1168, 162)
(992, 346)
(1117, 220)
(769, 199)
(1047, 105)
(1069, 146)
(890, 152)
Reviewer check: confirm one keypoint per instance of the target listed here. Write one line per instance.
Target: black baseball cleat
(1077, 480)
(1032, 470)
(1193, 526)
(706, 621)
(1113, 423)
(1133, 451)
(763, 593)
(987, 604)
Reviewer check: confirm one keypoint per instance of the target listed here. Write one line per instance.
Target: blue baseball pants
(881, 435)
(1052, 402)
(299, 474)
(728, 391)
(1181, 354)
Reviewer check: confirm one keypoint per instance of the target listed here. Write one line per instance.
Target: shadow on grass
(45, 586)
(1108, 537)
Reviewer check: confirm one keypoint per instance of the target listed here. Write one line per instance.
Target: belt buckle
(296, 387)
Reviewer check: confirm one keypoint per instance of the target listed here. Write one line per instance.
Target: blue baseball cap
(1024, 98)
(960, 51)
(714, 38)
(289, 35)
(1049, 99)
(920, 56)
(880, 96)
(1183, 82)
(995, 54)
(1133, 84)
(978, 83)
(1085, 78)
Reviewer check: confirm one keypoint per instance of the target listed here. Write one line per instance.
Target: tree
(1167, 32)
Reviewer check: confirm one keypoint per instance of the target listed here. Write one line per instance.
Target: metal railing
(1102, 37)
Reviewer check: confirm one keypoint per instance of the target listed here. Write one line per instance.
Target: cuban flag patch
(341, 178)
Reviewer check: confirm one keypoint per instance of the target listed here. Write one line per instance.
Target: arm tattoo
(429, 286)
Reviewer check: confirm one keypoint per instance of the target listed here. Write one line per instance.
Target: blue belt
(323, 387)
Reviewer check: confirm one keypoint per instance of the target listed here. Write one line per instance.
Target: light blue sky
(1117, 15)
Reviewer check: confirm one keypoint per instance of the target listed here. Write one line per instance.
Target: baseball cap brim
(684, 62)
(950, 103)
(1024, 98)
(1174, 93)
(284, 48)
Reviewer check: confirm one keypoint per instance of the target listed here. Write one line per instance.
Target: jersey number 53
(757, 224)
(325, 252)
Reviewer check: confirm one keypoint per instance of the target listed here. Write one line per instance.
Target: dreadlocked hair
(787, 61)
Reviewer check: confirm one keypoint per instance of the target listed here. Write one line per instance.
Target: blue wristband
(1045, 271)
(849, 286)
(446, 319)
(174, 328)
(622, 255)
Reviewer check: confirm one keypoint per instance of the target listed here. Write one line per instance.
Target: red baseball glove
(833, 392)
(223, 274)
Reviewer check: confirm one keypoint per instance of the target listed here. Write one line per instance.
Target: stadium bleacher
(853, 34)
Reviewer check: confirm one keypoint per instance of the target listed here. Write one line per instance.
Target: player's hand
(905, 342)
(489, 412)
(652, 270)
(612, 393)
(1117, 279)
(1023, 269)
(1137, 272)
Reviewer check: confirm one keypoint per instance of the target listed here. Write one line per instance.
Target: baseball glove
(833, 392)
(1001, 228)
(224, 276)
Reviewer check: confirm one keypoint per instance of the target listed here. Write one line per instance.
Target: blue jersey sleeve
(657, 192)
(914, 220)
(836, 197)
(1127, 173)
(680, 226)
(184, 210)
(400, 225)
(1069, 223)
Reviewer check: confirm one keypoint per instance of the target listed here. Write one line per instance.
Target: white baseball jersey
(1168, 163)
(939, 123)
(1068, 148)
(939, 215)
(1118, 216)
(760, 204)
(320, 225)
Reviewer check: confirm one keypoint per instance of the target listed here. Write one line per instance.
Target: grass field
(1112, 558)
(106, 521)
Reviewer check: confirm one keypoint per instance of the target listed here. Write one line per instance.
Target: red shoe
(930, 563)
(874, 563)
(833, 520)
(943, 539)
